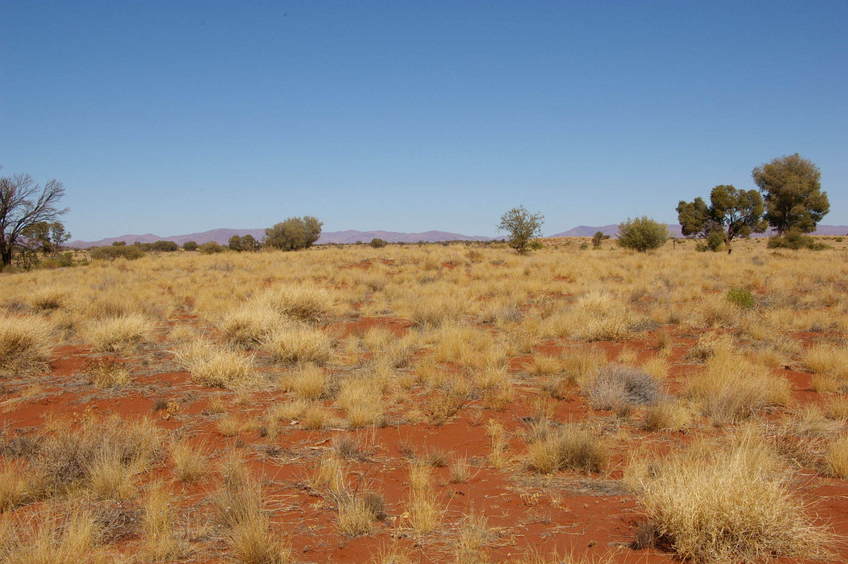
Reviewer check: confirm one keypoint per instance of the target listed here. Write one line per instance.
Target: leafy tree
(642, 234)
(294, 233)
(598, 238)
(377, 243)
(732, 213)
(794, 200)
(234, 243)
(190, 246)
(164, 246)
(249, 243)
(46, 237)
(211, 248)
(521, 227)
(23, 204)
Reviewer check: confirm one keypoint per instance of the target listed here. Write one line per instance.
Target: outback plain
(428, 403)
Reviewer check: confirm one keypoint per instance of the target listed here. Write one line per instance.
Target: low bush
(741, 298)
(642, 234)
(795, 240)
(211, 248)
(618, 387)
(128, 252)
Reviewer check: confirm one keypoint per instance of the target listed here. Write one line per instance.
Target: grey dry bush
(619, 387)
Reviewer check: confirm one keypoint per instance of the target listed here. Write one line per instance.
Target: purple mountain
(223, 235)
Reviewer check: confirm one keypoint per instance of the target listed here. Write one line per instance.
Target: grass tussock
(160, 544)
(240, 509)
(107, 373)
(307, 382)
(730, 388)
(725, 503)
(423, 510)
(836, 457)
(25, 343)
(116, 333)
(668, 416)
(569, 447)
(828, 360)
(298, 343)
(215, 366)
(99, 456)
(304, 303)
(53, 537)
(190, 462)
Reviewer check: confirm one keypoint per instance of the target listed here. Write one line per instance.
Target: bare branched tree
(24, 203)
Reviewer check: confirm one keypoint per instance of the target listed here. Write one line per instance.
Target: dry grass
(714, 503)
(667, 416)
(298, 343)
(240, 508)
(356, 516)
(828, 360)
(214, 366)
(620, 387)
(116, 333)
(308, 382)
(836, 457)
(190, 462)
(15, 486)
(25, 343)
(570, 447)
(107, 373)
(731, 389)
(329, 475)
(160, 543)
(55, 537)
(101, 457)
(362, 401)
(298, 302)
(424, 513)
(460, 471)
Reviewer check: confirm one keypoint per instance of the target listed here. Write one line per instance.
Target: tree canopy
(23, 205)
(794, 200)
(294, 233)
(521, 227)
(732, 213)
(642, 234)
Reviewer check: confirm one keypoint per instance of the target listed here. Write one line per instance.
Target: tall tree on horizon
(794, 200)
(23, 204)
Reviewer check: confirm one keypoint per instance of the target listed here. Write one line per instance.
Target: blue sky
(175, 117)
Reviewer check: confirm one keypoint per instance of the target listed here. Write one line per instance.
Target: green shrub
(294, 233)
(190, 246)
(378, 243)
(795, 240)
(128, 252)
(164, 246)
(642, 234)
(598, 239)
(741, 298)
(211, 248)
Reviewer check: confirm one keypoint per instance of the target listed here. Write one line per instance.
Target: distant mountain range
(328, 237)
(354, 236)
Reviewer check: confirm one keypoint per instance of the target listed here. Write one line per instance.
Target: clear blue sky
(174, 117)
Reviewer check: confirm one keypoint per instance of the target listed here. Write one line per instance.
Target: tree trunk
(5, 257)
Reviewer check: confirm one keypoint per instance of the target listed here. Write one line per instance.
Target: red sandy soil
(566, 512)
